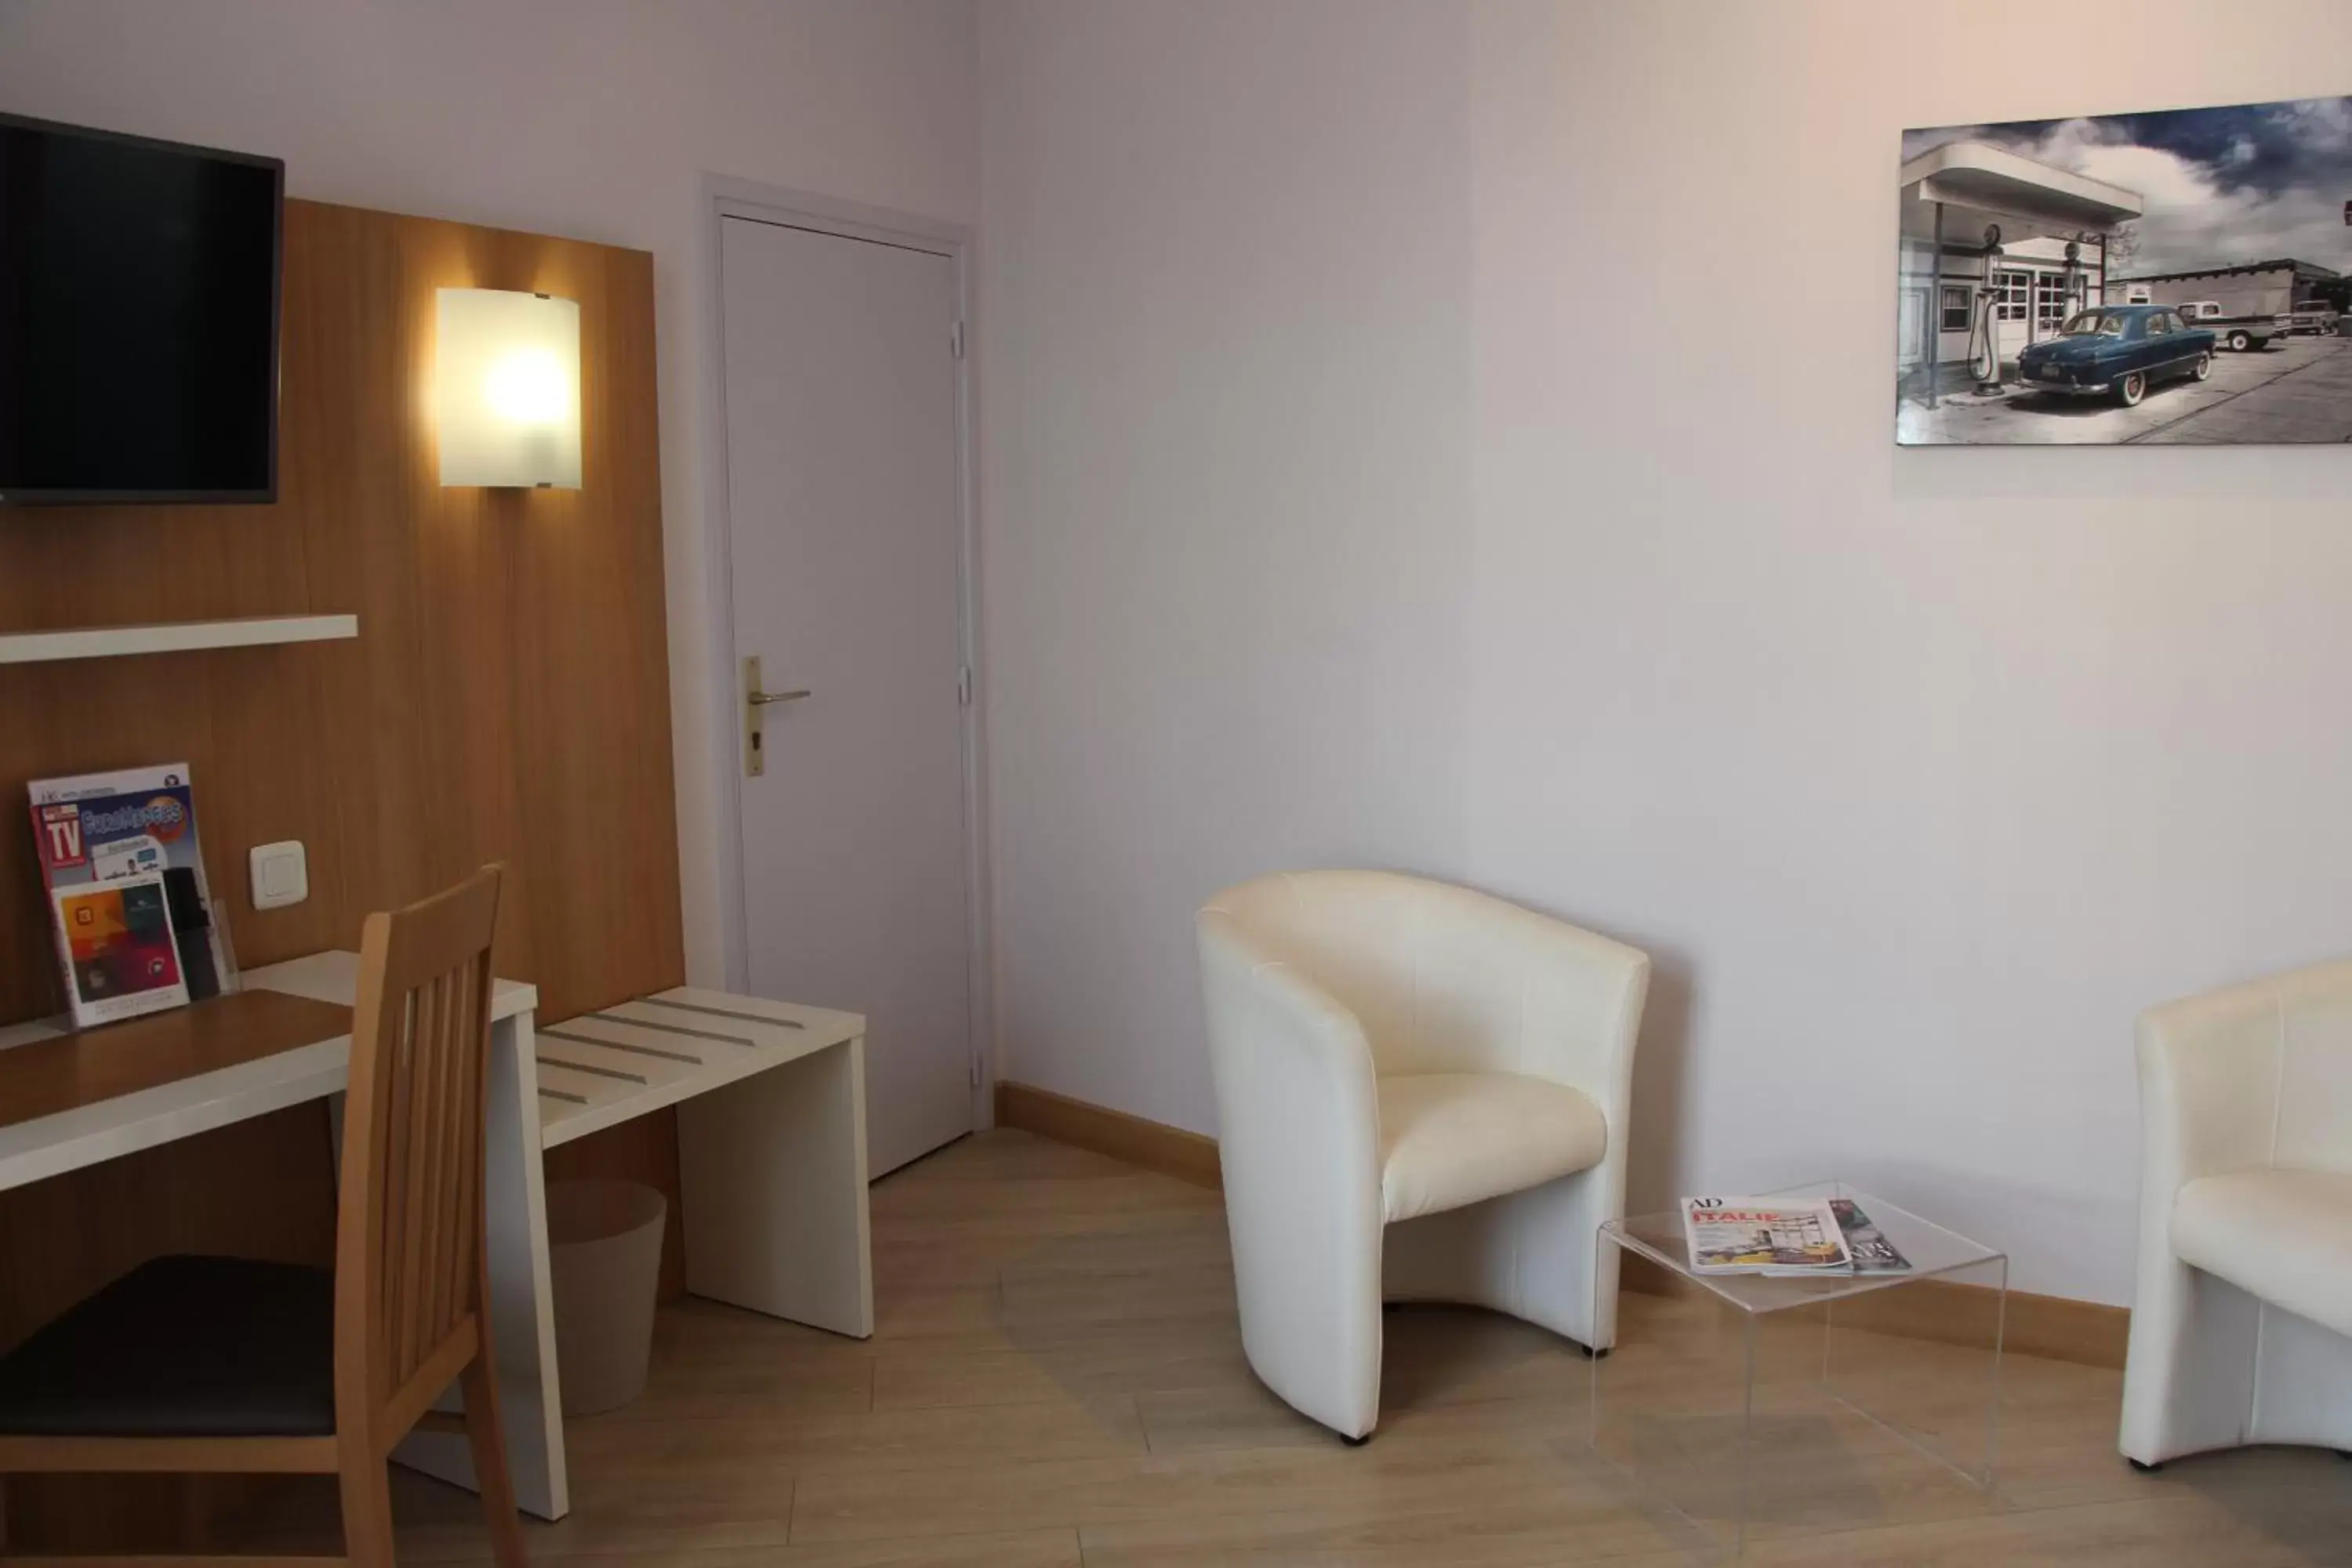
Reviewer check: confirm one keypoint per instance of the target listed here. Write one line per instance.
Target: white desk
(772, 1154)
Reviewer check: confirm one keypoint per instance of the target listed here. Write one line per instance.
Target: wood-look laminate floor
(1056, 1380)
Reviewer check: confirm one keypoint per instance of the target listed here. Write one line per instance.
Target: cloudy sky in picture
(2221, 185)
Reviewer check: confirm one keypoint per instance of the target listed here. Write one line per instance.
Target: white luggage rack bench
(607, 1066)
(771, 1101)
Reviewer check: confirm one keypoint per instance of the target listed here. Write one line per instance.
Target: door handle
(755, 759)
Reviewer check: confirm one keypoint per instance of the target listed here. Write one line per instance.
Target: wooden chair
(216, 1365)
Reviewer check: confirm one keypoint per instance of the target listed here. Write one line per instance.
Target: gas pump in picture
(1984, 337)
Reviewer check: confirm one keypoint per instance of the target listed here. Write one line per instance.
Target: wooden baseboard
(1154, 1145)
(1949, 1312)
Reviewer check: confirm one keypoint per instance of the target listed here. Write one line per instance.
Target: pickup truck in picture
(2315, 316)
(2240, 335)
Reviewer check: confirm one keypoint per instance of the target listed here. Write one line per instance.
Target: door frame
(724, 197)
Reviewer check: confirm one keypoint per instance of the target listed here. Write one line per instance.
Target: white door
(844, 550)
(2015, 315)
(1910, 327)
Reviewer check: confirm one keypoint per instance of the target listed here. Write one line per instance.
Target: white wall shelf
(108, 642)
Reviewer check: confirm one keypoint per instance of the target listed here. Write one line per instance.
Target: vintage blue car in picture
(2118, 352)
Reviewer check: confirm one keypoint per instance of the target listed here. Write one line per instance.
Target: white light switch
(281, 875)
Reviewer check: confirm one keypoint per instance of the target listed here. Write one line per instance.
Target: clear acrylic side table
(1753, 1407)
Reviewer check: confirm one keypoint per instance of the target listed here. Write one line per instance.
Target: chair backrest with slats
(408, 1248)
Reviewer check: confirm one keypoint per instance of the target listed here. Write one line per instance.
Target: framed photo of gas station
(2181, 277)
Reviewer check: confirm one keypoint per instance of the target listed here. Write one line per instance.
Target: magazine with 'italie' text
(1786, 1237)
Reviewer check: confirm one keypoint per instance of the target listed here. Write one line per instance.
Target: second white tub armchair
(2241, 1329)
(1421, 1095)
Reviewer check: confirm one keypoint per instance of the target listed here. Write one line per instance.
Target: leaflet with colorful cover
(124, 874)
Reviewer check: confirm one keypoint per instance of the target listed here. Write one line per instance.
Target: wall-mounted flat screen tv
(138, 287)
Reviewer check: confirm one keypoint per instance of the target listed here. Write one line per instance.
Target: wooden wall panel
(508, 697)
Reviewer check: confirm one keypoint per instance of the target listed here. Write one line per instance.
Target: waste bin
(604, 1248)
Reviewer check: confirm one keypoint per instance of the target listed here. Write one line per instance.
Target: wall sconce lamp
(507, 389)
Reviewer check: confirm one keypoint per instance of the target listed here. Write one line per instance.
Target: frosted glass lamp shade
(506, 385)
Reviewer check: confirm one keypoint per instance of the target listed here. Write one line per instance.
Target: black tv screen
(138, 319)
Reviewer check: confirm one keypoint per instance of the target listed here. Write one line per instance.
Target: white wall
(1460, 438)
(1226, 401)
(593, 119)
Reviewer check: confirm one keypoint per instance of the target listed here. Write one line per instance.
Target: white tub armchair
(1421, 1094)
(2241, 1329)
